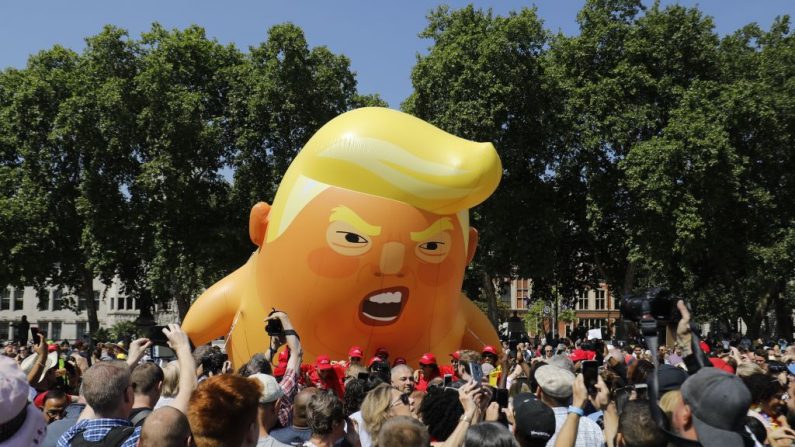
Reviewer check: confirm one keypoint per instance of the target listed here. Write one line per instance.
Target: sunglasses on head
(404, 399)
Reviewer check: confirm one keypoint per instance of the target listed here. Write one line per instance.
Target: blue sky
(380, 37)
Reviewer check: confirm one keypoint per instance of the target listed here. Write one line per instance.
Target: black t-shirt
(140, 421)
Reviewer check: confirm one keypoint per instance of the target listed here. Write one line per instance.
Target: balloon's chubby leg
(479, 330)
(212, 314)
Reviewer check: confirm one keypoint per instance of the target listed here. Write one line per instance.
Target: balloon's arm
(479, 331)
(211, 315)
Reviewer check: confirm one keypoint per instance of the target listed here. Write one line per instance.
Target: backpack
(115, 437)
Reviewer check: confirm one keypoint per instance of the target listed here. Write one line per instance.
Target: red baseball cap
(373, 360)
(355, 351)
(428, 359)
(399, 361)
(323, 362)
(52, 348)
(489, 349)
(456, 355)
(705, 347)
(580, 355)
(721, 364)
(382, 351)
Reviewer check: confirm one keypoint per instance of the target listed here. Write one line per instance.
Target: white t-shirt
(364, 437)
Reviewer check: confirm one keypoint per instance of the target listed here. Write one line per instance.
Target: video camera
(657, 302)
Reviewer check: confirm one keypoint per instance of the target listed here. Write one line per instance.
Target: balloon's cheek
(438, 275)
(326, 263)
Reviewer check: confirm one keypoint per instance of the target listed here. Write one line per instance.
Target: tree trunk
(629, 279)
(491, 297)
(183, 304)
(754, 321)
(783, 313)
(86, 292)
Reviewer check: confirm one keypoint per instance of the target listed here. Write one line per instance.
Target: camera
(657, 302)
(274, 327)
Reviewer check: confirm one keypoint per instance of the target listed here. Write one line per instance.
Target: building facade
(52, 314)
(593, 307)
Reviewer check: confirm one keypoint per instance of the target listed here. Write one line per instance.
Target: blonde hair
(375, 408)
(389, 154)
(749, 369)
(170, 379)
(669, 401)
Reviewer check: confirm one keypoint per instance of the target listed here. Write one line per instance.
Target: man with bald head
(403, 378)
(166, 427)
(298, 432)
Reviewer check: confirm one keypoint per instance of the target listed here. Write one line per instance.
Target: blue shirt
(97, 429)
(57, 428)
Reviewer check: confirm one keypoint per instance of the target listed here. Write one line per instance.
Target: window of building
(593, 323)
(122, 303)
(81, 302)
(57, 299)
(522, 293)
(582, 300)
(19, 294)
(5, 330)
(601, 302)
(82, 330)
(5, 299)
(44, 326)
(55, 330)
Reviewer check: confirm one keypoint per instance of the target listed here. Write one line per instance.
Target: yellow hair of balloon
(390, 154)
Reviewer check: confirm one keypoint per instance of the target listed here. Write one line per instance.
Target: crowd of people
(538, 393)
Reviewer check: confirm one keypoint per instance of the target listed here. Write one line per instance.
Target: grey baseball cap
(719, 403)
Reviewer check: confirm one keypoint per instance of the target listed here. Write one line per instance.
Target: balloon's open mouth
(384, 306)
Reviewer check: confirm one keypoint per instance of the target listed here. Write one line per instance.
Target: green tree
(620, 78)
(67, 133)
(712, 191)
(179, 196)
(483, 79)
(122, 330)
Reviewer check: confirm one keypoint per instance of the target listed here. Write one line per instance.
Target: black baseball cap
(534, 419)
(669, 378)
(719, 403)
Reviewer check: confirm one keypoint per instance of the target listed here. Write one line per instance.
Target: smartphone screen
(448, 380)
(157, 337)
(34, 333)
(161, 352)
(501, 397)
(590, 372)
(476, 372)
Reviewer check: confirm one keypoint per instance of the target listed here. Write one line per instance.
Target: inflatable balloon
(365, 244)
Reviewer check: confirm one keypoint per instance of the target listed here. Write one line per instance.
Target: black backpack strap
(115, 438)
(117, 435)
(138, 419)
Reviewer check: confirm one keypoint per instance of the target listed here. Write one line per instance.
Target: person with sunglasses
(381, 403)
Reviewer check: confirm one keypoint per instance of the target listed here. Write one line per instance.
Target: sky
(379, 37)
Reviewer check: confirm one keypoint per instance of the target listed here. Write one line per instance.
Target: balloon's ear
(473, 244)
(258, 223)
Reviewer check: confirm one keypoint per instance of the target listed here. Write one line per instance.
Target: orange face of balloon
(352, 268)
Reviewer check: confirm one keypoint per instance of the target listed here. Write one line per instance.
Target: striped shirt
(588, 432)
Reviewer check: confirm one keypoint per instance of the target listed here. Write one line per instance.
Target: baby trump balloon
(365, 244)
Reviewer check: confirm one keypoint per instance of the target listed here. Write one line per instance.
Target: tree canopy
(645, 150)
